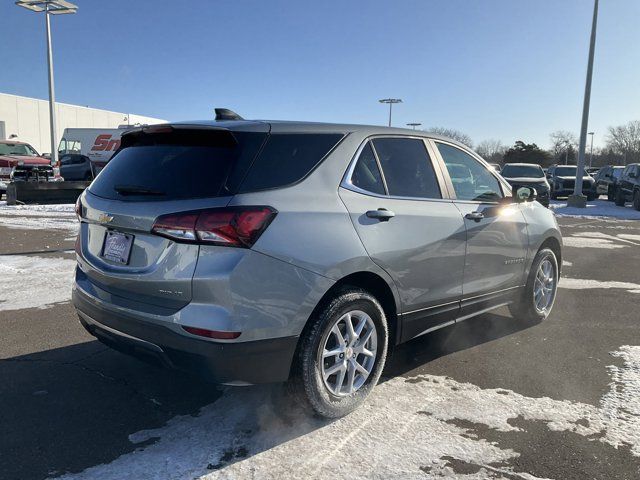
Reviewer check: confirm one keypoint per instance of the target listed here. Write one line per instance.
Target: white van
(98, 144)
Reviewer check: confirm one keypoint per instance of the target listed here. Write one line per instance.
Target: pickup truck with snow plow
(19, 161)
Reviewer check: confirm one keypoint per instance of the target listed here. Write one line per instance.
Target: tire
(553, 196)
(619, 198)
(326, 397)
(591, 197)
(636, 200)
(610, 194)
(525, 309)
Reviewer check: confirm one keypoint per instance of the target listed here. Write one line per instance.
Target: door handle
(381, 214)
(477, 216)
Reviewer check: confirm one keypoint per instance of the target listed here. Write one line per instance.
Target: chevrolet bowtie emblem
(105, 218)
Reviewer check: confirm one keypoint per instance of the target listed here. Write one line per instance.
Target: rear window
(179, 164)
(287, 159)
(208, 163)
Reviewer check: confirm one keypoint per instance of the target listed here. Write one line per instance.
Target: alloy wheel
(544, 288)
(348, 354)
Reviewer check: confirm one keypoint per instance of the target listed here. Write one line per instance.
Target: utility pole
(50, 7)
(390, 101)
(591, 152)
(578, 199)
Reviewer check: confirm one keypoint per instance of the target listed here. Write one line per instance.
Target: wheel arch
(555, 246)
(373, 283)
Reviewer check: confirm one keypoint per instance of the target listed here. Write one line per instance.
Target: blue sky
(505, 69)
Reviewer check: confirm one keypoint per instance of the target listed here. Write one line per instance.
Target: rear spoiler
(175, 133)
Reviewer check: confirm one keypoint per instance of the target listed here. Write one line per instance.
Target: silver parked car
(252, 251)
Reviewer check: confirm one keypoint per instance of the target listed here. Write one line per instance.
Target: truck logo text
(105, 143)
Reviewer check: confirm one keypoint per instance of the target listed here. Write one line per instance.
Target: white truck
(98, 144)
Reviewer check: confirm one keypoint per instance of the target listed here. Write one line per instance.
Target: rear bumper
(261, 361)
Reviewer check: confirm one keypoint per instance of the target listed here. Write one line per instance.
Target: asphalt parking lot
(488, 398)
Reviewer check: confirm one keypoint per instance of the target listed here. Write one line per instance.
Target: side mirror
(633, 175)
(524, 194)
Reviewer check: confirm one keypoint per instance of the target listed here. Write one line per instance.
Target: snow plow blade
(44, 192)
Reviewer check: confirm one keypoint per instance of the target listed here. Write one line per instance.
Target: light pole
(50, 7)
(413, 125)
(578, 199)
(390, 101)
(591, 151)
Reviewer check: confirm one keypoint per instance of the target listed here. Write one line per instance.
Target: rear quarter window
(287, 158)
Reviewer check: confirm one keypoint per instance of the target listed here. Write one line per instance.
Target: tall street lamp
(591, 151)
(50, 7)
(578, 199)
(413, 125)
(390, 101)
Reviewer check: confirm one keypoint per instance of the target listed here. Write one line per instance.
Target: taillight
(232, 226)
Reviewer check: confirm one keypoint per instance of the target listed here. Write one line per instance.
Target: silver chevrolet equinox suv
(260, 251)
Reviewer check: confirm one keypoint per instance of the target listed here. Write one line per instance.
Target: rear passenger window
(366, 174)
(287, 158)
(407, 167)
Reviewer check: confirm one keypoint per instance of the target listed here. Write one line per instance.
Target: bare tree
(453, 134)
(563, 146)
(491, 150)
(625, 140)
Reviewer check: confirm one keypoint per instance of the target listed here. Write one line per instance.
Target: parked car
(628, 186)
(530, 175)
(274, 251)
(593, 171)
(562, 179)
(75, 167)
(19, 161)
(606, 179)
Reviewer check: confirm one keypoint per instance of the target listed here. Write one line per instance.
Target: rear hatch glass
(178, 163)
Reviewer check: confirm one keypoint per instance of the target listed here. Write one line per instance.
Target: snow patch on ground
(37, 210)
(39, 217)
(407, 428)
(596, 208)
(588, 242)
(600, 240)
(629, 236)
(580, 283)
(34, 282)
(41, 223)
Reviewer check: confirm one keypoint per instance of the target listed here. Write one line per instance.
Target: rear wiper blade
(136, 190)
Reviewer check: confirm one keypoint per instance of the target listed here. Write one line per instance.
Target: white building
(28, 119)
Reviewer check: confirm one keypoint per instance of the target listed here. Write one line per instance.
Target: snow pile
(407, 428)
(596, 208)
(34, 282)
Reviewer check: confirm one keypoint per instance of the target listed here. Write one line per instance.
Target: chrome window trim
(346, 179)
